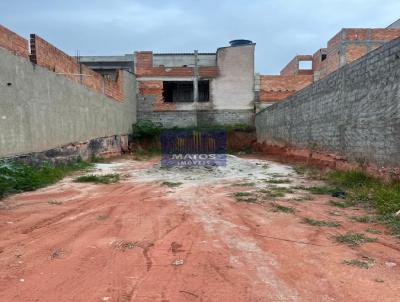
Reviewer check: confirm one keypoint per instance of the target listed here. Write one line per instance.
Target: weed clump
(364, 218)
(279, 208)
(171, 184)
(321, 223)
(354, 239)
(279, 181)
(245, 197)
(99, 179)
(359, 263)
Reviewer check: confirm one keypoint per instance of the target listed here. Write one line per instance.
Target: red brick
(13, 42)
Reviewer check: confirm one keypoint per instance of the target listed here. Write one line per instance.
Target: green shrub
(146, 129)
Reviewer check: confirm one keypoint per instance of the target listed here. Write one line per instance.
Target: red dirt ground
(135, 241)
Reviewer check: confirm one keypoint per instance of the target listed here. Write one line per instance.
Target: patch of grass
(354, 239)
(324, 190)
(279, 208)
(309, 171)
(18, 177)
(245, 184)
(341, 204)
(275, 192)
(358, 263)
(171, 184)
(386, 198)
(242, 194)
(351, 179)
(279, 181)
(99, 179)
(245, 197)
(320, 223)
(55, 202)
(300, 169)
(364, 218)
(368, 191)
(373, 231)
(393, 222)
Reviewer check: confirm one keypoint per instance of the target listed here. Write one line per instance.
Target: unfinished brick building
(348, 45)
(186, 89)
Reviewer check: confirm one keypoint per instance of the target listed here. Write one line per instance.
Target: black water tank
(240, 42)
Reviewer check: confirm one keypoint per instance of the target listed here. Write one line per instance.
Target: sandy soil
(140, 240)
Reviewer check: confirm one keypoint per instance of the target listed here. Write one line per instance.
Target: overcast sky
(281, 29)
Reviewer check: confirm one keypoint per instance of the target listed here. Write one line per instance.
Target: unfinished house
(189, 89)
(348, 45)
(197, 88)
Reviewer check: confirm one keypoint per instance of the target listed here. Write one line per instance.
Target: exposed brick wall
(356, 34)
(317, 60)
(276, 88)
(144, 67)
(46, 55)
(292, 68)
(151, 98)
(350, 44)
(385, 34)
(13, 42)
(114, 89)
(329, 65)
(353, 52)
(335, 40)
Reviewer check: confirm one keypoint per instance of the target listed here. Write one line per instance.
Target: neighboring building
(395, 24)
(346, 46)
(187, 89)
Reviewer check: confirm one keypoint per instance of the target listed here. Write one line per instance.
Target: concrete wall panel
(40, 110)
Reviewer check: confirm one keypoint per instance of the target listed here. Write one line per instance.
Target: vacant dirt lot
(219, 234)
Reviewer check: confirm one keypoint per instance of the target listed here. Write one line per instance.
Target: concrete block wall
(201, 118)
(41, 110)
(353, 112)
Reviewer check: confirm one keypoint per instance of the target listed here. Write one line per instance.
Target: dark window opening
(180, 92)
(204, 91)
(323, 57)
